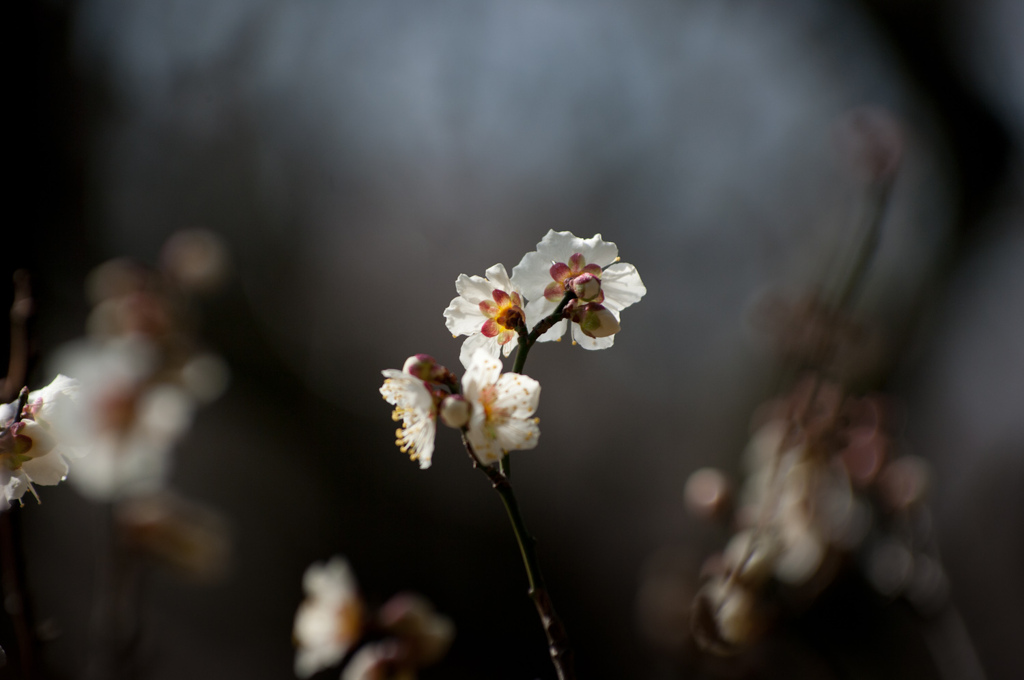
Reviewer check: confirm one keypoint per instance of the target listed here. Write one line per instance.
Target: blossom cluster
(821, 482)
(567, 281)
(493, 409)
(334, 624)
(490, 310)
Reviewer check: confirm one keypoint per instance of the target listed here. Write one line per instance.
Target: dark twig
(558, 640)
(15, 595)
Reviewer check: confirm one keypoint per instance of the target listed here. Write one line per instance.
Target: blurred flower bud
(425, 634)
(707, 493)
(114, 279)
(801, 557)
(889, 566)
(754, 554)
(419, 365)
(586, 286)
(205, 377)
(871, 140)
(863, 456)
(724, 616)
(455, 411)
(195, 259)
(190, 538)
(904, 482)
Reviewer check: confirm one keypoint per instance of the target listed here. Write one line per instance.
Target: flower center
(493, 416)
(564, 274)
(504, 316)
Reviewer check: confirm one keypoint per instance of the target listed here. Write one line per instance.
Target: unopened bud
(426, 368)
(724, 617)
(598, 322)
(420, 366)
(753, 555)
(586, 286)
(707, 493)
(455, 411)
(196, 259)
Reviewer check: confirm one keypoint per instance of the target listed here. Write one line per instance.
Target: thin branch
(554, 630)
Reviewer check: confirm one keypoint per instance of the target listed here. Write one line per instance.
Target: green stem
(558, 640)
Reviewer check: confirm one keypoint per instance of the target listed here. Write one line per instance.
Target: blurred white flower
(415, 407)
(36, 448)
(129, 422)
(330, 620)
(502, 406)
(488, 310)
(589, 268)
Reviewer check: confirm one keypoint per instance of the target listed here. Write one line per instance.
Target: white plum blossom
(35, 448)
(502, 409)
(489, 310)
(590, 268)
(331, 618)
(415, 407)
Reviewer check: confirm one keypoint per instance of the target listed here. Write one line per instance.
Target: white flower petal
(476, 343)
(622, 286)
(415, 406)
(8, 412)
(518, 434)
(475, 289)
(463, 317)
(16, 485)
(532, 275)
(587, 342)
(46, 470)
(483, 370)
(487, 449)
(497, 275)
(502, 406)
(61, 386)
(559, 246)
(42, 441)
(519, 394)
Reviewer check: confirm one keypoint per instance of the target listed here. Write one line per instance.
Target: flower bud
(455, 411)
(426, 368)
(586, 286)
(707, 493)
(420, 366)
(597, 321)
(724, 617)
(426, 635)
(753, 555)
(196, 259)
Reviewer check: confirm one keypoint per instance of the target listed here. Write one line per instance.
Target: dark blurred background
(357, 157)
